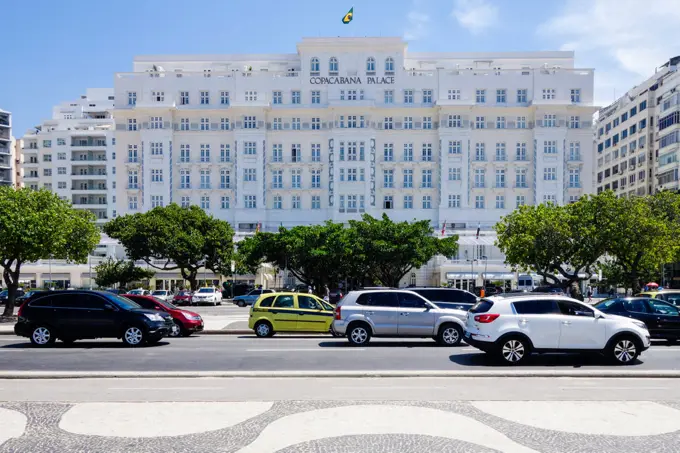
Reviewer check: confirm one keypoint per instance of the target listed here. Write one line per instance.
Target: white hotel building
(352, 125)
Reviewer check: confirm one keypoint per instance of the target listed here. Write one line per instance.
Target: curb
(634, 374)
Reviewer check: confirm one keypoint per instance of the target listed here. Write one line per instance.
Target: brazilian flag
(349, 16)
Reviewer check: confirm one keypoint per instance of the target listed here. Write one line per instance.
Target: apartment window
(501, 96)
(388, 152)
(316, 152)
(427, 122)
(132, 154)
(500, 202)
(156, 175)
(225, 179)
(131, 126)
(225, 152)
(426, 152)
(427, 96)
(205, 152)
(574, 122)
(642, 124)
(61, 185)
(158, 96)
(388, 202)
(277, 97)
(500, 178)
(643, 106)
(455, 147)
(251, 96)
(408, 152)
(205, 179)
(500, 122)
(575, 151)
(249, 174)
(133, 179)
(454, 201)
(224, 203)
(479, 202)
(455, 121)
(183, 98)
(184, 179)
(61, 156)
(316, 179)
(548, 93)
(574, 178)
(408, 179)
(132, 98)
(61, 170)
(296, 124)
(224, 97)
(205, 124)
(480, 96)
(427, 201)
(480, 152)
(522, 96)
(521, 178)
(296, 153)
(633, 111)
(550, 146)
(316, 202)
(184, 124)
(453, 95)
(388, 179)
(296, 179)
(549, 120)
(408, 201)
(454, 174)
(389, 96)
(47, 158)
(249, 148)
(426, 179)
(575, 95)
(500, 152)
(295, 97)
(521, 122)
(550, 174)
(132, 203)
(225, 124)
(480, 178)
(408, 96)
(480, 122)
(156, 148)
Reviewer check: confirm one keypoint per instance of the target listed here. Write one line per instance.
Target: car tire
(186, 333)
(175, 330)
(241, 304)
(219, 303)
(359, 334)
(513, 350)
(264, 329)
(134, 336)
(624, 350)
(449, 335)
(42, 336)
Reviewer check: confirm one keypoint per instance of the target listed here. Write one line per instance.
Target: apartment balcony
(4, 119)
(4, 149)
(90, 189)
(88, 142)
(575, 185)
(89, 204)
(4, 134)
(88, 175)
(83, 158)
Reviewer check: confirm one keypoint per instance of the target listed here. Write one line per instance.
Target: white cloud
(624, 40)
(417, 25)
(475, 15)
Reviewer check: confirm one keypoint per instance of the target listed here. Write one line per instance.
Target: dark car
(662, 319)
(186, 322)
(447, 297)
(335, 295)
(78, 315)
(3, 296)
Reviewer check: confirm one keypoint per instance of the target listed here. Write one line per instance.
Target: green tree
(120, 272)
(386, 250)
(38, 225)
(181, 238)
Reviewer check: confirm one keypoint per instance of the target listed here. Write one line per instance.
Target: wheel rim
(41, 335)
(624, 351)
(133, 335)
(175, 330)
(451, 335)
(359, 335)
(263, 330)
(513, 351)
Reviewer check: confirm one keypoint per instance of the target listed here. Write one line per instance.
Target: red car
(186, 322)
(182, 298)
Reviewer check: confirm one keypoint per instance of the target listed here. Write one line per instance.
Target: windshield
(160, 293)
(122, 302)
(184, 293)
(3, 293)
(206, 290)
(165, 304)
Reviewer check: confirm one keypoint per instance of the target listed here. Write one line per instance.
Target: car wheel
(359, 335)
(241, 304)
(263, 329)
(134, 336)
(175, 330)
(624, 350)
(42, 336)
(513, 350)
(449, 335)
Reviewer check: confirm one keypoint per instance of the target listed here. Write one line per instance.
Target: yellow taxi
(290, 312)
(672, 296)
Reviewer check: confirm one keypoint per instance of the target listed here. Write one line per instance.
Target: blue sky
(55, 50)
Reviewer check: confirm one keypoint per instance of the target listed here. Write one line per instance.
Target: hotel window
(296, 178)
(548, 93)
(249, 122)
(205, 152)
(295, 202)
(184, 179)
(296, 97)
(370, 66)
(575, 95)
(156, 122)
(550, 146)
(316, 152)
(158, 96)
(251, 96)
(225, 125)
(500, 178)
(500, 202)
(389, 65)
(427, 201)
(480, 96)
(388, 124)
(479, 202)
(277, 97)
(408, 201)
(132, 203)
(574, 178)
(520, 201)
(224, 202)
(388, 202)
(408, 96)
(184, 124)
(205, 98)
(480, 152)
(333, 66)
(277, 179)
(388, 179)
(550, 174)
(389, 96)
(550, 120)
(156, 201)
(225, 179)
(454, 201)
(352, 174)
(501, 96)
(316, 97)
(225, 152)
(427, 96)
(156, 175)
(550, 199)
(249, 148)
(132, 154)
(426, 179)
(224, 97)
(455, 147)
(316, 124)
(62, 142)
(426, 152)
(314, 67)
(205, 179)
(61, 170)
(316, 202)
(249, 174)
(61, 185)
(480, 178)
(480, 122)
(454, 174)
(277, 125)
(454, 95)
(156, 148)
(388, 152)
(316, 179)
(501, 155)
(408, 179)
(408, 122)
(521, 122)
(205, 124)
(132, 98)
(521, 178)
(500, 122)
(427, 122)
(408, 152)
(575, 151)
(296, 124)
(250, 201)
(455, 121)
(296, 152)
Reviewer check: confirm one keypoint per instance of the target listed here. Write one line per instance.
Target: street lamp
(472, 270)
(486, 265)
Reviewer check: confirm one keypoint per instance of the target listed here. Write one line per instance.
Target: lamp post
(486, 265)
(472, 270)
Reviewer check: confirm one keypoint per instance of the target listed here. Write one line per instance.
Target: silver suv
(361, 315)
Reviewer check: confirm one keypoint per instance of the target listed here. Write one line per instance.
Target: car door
(639, 309)
(667, 319)
(415, 316)
(539, 320)
(284, 313)
(312, 316)
(381, 310)
(579, 329)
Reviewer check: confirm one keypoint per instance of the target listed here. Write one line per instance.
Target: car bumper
(339, 326)
(194, 326)
(22, 329)
(470, 339)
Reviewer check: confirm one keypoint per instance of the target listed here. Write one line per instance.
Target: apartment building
(73, 153)
(352, 125)
(637, 137)
(7, 168)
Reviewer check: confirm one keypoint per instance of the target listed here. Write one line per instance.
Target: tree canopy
(38, 225)
(174, 237)
(119, 272)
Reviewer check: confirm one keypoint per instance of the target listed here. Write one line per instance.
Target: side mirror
(598, 315)
(109, 307)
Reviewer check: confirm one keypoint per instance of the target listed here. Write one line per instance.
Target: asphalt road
(288, 353)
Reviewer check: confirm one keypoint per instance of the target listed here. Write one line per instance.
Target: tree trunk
(12, 282)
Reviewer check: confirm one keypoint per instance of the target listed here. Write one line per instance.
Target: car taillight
(21, 308)
(337, 313)
(485, 319)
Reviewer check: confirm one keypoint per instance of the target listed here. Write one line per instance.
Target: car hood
(145, 311)
(190, 313)
(620, 318)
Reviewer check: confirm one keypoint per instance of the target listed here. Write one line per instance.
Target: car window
(308, 303)
(267, 301)
(122, 302)
(536, 307)
(378, 299)
(673, 298)
(205, 290)
(610, 305)
(284, 302)
(144, 303)
(407, 300)
(41, 302)
(574, 309)
(483, 306)
(635, 306)
(663, 308)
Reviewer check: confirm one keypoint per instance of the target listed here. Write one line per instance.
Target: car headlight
(191, 317)
(154, 317)
(640, 324)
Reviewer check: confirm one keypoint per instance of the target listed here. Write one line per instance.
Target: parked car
(662, 318)
(185, 322)
(396, 313)
(289, 312)
(182, 298)
(21, 299)
(512, 326)
(251, 297)
(140, 292)
(207, 295)
(114, 290)
(448, 297)
(672, 296)
(76, 315)
(548, 289)
(4, 295)
(162, 294)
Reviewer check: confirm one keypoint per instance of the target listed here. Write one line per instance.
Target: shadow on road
(481, 359)
(386, 344)
(83, 345)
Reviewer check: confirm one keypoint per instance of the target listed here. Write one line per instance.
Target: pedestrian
(590, 294)
(327, 294)
(310, 290)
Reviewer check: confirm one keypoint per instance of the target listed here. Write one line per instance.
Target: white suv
(513, 326)
(207, 296)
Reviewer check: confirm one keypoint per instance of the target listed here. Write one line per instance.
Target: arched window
(333, 65)
(314, 65)
(389, 64)
(370, 64)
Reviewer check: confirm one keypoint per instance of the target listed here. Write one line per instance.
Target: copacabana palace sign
(371, 80)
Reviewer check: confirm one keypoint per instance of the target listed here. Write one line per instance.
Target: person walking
(327, 294)
(590, 294)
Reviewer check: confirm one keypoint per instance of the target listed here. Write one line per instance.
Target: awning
(28, 276)
(55, 276)
(460, 276)
(472, 240)
(498, 276)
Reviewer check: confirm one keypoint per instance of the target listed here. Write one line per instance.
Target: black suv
(447, 297)
(77, 315)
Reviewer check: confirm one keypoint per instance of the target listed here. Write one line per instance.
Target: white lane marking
(167, 388)
(304, 350)
(581, 387)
